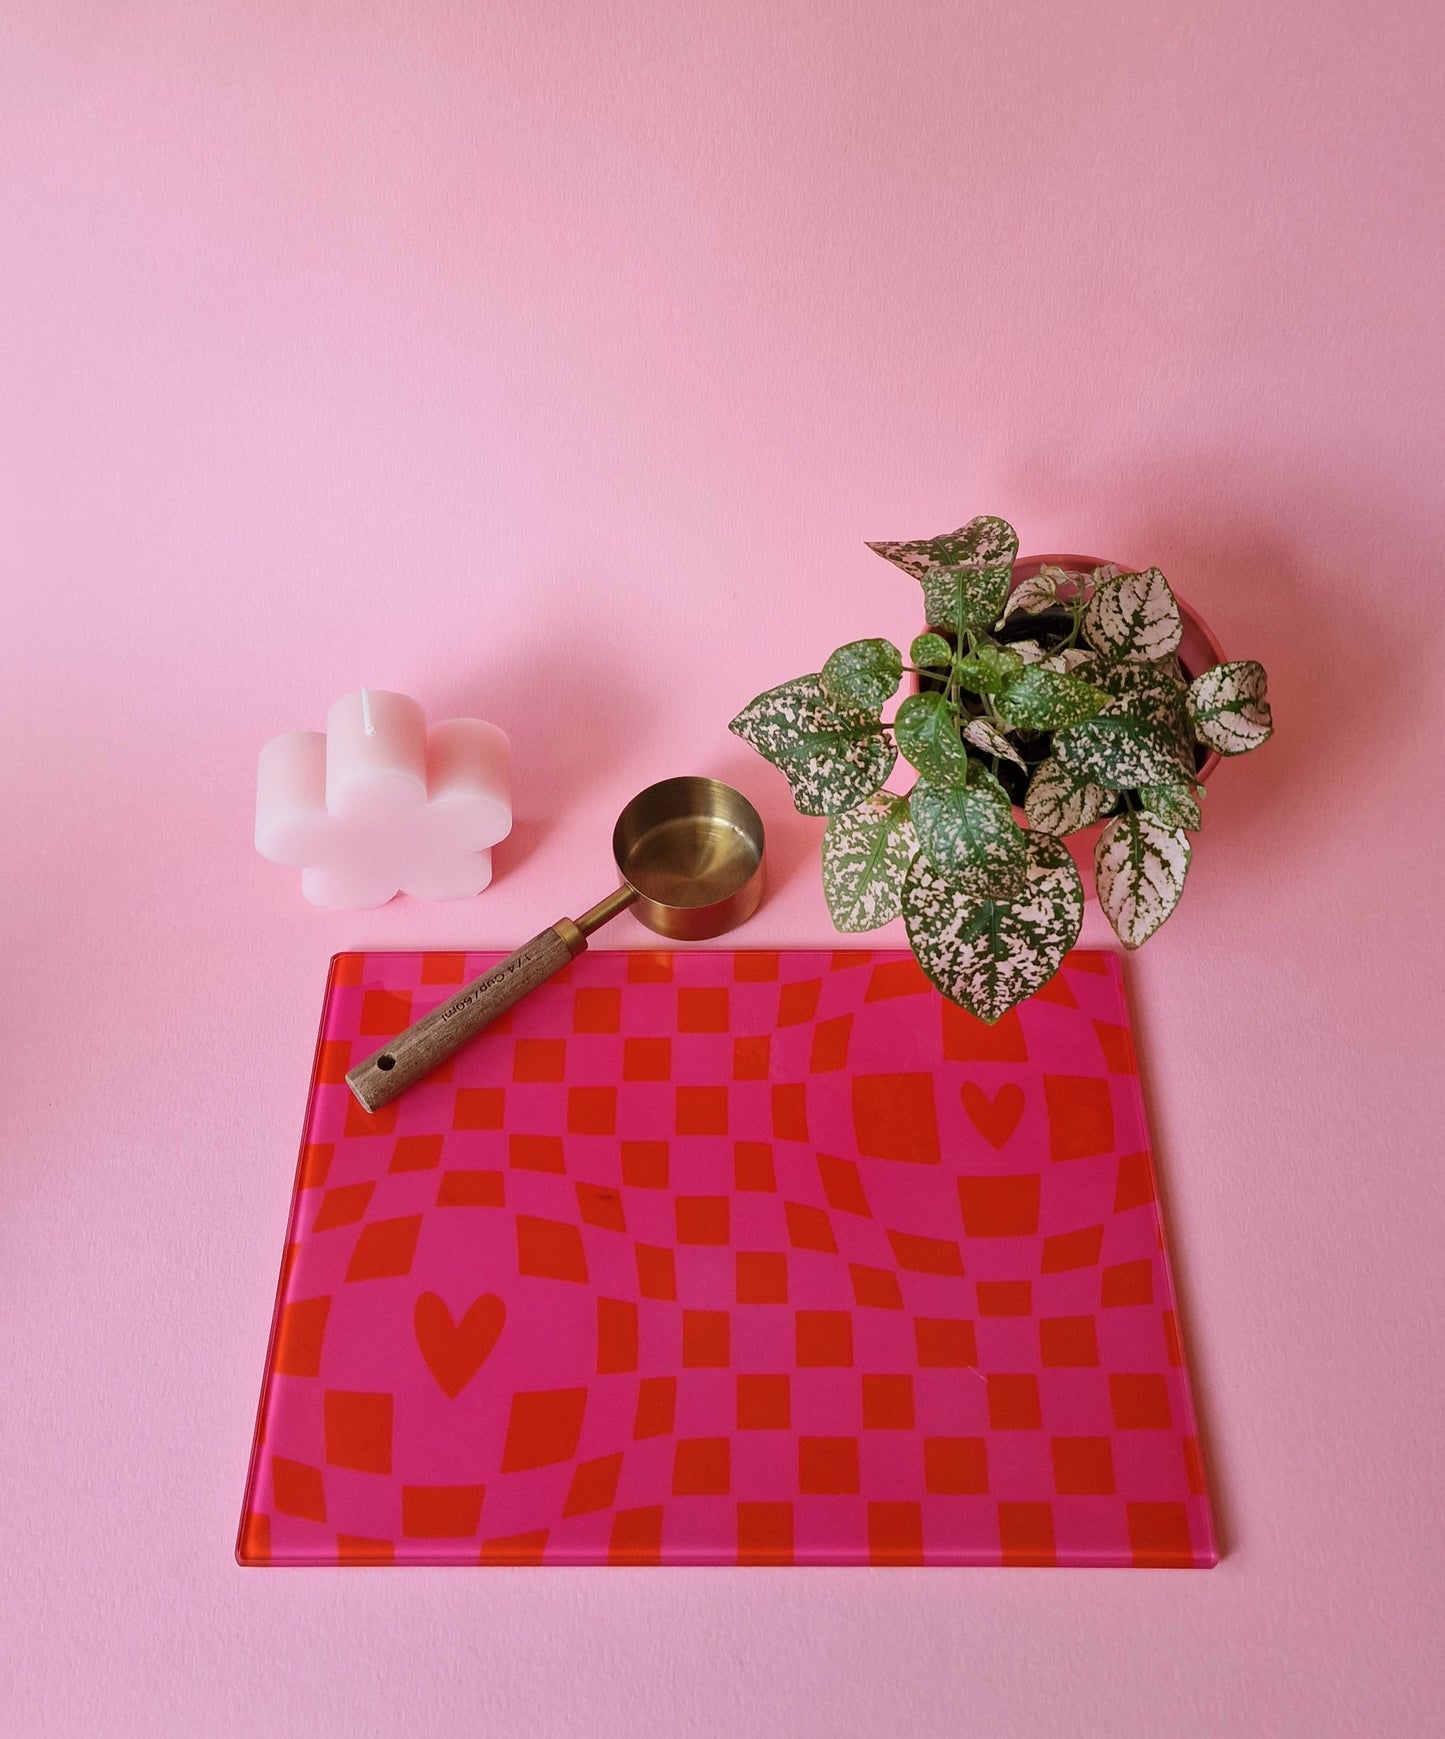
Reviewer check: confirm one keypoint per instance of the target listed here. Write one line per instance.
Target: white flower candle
(378, 804)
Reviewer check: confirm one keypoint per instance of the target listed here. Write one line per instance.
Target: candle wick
(366, 723)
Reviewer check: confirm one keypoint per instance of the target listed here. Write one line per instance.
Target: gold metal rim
(692, 848)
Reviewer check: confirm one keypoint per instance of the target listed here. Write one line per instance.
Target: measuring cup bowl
(691, 849)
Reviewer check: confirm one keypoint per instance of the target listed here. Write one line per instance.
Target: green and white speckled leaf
(961, 598)
(971, 835)
(1067, 582)
(988, 955)
(1070, 660)
(1118, 750)
(1040, 592)
(864, 673)
(1139, 871)
(985, 541)
(926, 728)
(833, 755)
(991, 741)
(989, 669)
(1172, 805)
(978, 774)
(866, 854)
(1060, 801)
(1133, 616)
(930, 652)
(1153, 690)
(1047, 700)
(965, 574)
(1229, 708)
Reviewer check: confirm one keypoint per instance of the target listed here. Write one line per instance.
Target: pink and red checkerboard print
(729, 1257)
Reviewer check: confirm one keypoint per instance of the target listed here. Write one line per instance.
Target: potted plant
(1050, 699)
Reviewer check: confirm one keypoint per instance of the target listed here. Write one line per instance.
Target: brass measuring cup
(690, 854)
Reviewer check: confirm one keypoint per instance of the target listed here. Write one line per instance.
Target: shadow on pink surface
(1273, 563)
(1272, 558)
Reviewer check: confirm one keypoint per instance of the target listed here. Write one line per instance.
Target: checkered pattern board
(729, 1257)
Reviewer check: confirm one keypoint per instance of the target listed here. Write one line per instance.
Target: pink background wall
(552, 361)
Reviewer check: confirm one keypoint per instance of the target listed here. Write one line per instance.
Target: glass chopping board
(729, 1257)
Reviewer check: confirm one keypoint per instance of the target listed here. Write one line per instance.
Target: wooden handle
(418, 1050)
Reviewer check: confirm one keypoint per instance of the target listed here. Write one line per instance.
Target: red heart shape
(456, 1351)
(995, 1119)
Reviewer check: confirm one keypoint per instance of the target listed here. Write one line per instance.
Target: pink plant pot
(1198, 652)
